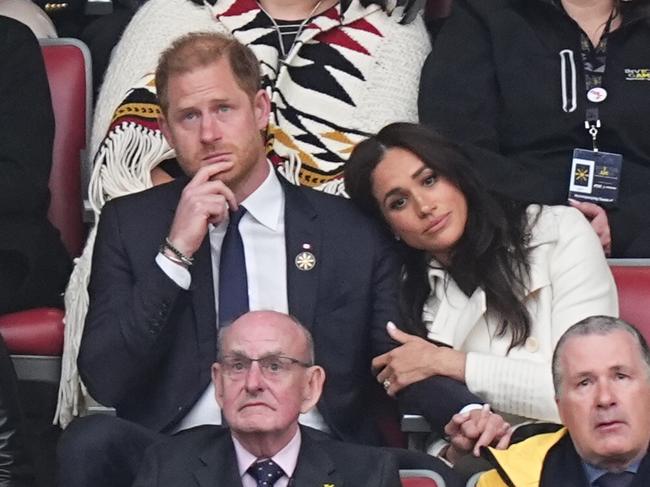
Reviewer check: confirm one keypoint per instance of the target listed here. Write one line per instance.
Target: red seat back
(633, 284)
(36, 331)
(421, 478)
(419, 482)
(67, 62)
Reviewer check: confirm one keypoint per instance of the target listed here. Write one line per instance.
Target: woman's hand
(469, 431)
(599, 222)
(414, 360)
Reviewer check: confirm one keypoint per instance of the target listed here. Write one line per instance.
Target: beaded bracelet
(182, 258)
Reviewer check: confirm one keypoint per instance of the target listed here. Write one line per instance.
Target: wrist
(169, 250)
(172, 257)
(455, 363)
(462, 360)
(452, 454)
(450, 363)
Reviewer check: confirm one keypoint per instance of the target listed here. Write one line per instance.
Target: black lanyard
(594, 60)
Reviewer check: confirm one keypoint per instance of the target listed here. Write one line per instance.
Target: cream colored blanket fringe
(290, 170)
(111, 178)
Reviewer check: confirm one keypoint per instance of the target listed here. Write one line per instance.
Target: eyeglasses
(271, 366)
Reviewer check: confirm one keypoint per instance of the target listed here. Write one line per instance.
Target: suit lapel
(202, 293)
(203, 303)
(218, 465)
(314, 467)
(302, 234)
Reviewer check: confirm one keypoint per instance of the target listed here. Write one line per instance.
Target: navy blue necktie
(266, 472)
(622, 479)
(233, 283)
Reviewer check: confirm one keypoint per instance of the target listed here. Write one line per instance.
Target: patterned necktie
(622, 479)
(266, 472)
(233, 283)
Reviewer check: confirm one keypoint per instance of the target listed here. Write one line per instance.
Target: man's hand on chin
(205, 199)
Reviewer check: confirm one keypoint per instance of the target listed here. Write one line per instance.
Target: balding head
(264, 378)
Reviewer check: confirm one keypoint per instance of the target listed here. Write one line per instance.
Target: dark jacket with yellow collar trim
(548, 460)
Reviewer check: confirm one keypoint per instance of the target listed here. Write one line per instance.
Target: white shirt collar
(266, 203)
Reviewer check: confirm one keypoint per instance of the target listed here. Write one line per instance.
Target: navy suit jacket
(148, 345)
(205, 457)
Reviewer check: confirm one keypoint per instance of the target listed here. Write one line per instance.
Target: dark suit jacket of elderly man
(205, 457)
(148, 345)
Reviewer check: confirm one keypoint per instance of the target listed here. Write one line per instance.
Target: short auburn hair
(201, 49)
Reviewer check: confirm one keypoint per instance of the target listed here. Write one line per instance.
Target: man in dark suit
(159, 287)
(264, 378)
(601, 373)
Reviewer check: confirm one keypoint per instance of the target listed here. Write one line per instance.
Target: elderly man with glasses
(264, 378)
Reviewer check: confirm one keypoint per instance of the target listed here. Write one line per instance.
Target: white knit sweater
(373, 81)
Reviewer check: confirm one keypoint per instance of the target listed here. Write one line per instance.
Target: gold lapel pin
(305, 260)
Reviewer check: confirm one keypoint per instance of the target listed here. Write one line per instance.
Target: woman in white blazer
(488, 285)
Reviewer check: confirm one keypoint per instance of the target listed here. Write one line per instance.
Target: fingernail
(391, 326)
(575, 202)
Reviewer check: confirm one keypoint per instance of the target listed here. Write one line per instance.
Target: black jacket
(563, 468)
(205, 457)
(30, 247)
(493, 81)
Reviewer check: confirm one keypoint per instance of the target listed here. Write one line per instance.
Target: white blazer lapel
(457, 313)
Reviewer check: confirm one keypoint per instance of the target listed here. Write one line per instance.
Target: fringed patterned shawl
(352, 70)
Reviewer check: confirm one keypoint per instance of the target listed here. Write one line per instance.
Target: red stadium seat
(35, 337)
(421, 478)
(633, 283)
(67, 62)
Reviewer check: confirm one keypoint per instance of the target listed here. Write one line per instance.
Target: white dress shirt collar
(265, 204)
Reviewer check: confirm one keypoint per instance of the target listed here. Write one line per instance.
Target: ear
(559, 409)
(313, 387)
(217, 380)
(166, 131)
(262, 108)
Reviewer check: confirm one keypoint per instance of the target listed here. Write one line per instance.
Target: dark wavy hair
(492, 252)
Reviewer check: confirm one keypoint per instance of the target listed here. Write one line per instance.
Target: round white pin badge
(597, 94)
